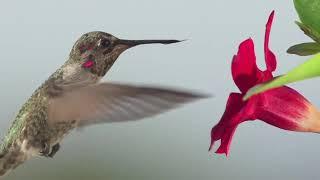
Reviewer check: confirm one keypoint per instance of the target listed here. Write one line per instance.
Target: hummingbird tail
(9, 160)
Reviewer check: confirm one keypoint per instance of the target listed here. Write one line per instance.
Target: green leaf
(309, 32)
(307, 70)
(304, 49)
(309, 13)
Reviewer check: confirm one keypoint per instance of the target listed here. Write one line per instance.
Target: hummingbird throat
(88, 64)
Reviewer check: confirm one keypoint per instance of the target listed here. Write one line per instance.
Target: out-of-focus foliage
(309, 14)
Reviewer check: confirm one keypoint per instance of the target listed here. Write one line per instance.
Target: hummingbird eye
(104, 43)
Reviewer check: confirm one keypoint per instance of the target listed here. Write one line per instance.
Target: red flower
(282, 107)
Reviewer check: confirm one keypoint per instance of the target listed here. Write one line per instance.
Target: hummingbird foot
(45, 150)
(48, 151)
(55, 148)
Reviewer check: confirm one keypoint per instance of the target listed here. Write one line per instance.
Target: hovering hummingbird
(73, 97)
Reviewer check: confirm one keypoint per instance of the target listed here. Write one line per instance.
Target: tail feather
(10, 159)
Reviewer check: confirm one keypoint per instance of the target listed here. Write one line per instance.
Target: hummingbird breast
(30, 130)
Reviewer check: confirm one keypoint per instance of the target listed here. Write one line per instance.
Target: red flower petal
(270, 58)
(285, 108)
(224, 130)
(244, 69)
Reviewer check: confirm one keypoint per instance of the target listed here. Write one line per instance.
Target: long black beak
(132, 43)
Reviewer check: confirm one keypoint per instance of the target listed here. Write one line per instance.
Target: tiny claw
(54, 150)
(45, 150)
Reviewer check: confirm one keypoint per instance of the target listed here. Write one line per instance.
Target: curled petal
(244, 69)
(225, 129)
(270, 58)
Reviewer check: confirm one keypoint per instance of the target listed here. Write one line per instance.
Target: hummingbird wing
(109, 102)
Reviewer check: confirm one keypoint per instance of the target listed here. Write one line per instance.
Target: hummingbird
(73, 97)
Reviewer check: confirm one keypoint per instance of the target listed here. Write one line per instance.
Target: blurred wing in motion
(108, 102)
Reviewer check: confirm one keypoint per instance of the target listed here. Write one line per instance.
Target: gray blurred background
(35, 39)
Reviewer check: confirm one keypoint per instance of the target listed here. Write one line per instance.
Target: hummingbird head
(96, 51)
